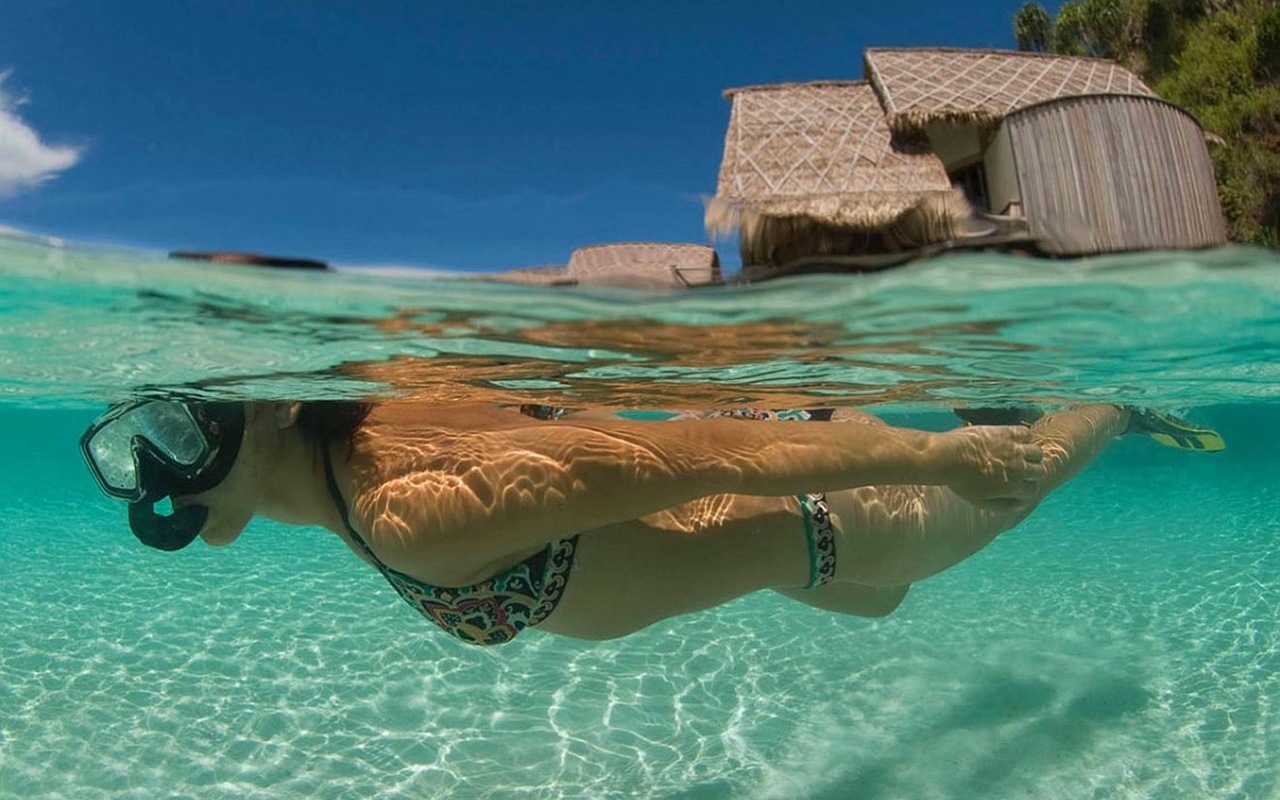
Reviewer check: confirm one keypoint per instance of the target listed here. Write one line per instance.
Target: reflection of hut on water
(641, 265)
(1070, 155)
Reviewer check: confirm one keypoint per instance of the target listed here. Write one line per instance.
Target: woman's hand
(998, 467)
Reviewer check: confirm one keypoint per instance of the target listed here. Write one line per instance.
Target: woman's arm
(513, 487)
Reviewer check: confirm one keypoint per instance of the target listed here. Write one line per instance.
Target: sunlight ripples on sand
(1106, 649)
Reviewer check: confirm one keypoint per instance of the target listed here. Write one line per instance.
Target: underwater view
(1123, 642)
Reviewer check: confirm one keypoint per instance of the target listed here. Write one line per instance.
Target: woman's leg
(891, 536)
(887, 538)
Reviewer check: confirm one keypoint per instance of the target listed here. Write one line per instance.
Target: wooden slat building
(1139, 175)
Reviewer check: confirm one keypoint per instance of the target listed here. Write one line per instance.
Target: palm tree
(1031, 28)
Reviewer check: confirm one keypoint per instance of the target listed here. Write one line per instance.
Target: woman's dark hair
(332, 420)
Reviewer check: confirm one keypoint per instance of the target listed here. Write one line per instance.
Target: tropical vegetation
(1218, 59)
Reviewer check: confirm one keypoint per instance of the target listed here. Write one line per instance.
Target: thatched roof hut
(636, 265)
(817, 162)
(920, 86)
(943, 148)
(547, 275)
(645, 265)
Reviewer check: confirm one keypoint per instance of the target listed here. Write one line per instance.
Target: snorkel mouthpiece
(169, 533)
(163, 532)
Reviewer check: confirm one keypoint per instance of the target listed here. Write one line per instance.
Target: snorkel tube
(225, 424)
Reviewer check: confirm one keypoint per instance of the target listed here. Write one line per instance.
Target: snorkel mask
(145, 451)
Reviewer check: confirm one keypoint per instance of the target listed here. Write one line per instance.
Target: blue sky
(473, 136)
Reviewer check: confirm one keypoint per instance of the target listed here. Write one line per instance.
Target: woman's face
(233, 502)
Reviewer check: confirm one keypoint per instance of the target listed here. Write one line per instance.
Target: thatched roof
(821, 151)
(651, 265)
(923, 85)
(547, 275)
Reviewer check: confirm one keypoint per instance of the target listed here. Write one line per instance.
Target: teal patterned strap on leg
(821, 537)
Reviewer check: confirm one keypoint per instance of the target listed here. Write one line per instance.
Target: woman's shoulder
(411, 452)
(412, 417)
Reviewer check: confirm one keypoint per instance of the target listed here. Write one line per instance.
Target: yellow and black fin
(1175, 432)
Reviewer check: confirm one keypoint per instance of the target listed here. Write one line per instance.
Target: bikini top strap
(332, 483)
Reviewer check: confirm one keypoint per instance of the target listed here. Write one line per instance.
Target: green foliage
(1031, 28)
(1213, 68)
(1242, 168)
(1268, 66)
(1215, 77)
(1068, 37)
(1218, 59)
(1100, 28)
(1162, 30)
(1105, 27)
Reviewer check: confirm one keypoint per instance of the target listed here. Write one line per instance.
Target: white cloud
(25, 161)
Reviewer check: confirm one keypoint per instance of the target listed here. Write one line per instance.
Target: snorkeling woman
(489, 520)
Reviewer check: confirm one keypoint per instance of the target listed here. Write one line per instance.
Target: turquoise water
(1122, 643)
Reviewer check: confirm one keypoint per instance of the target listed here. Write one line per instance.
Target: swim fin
(1172, 431)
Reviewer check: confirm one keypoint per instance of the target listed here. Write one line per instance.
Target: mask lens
(172, 431)
(111, 449)
(169, 430)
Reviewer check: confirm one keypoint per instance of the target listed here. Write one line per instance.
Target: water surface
(1122, 643)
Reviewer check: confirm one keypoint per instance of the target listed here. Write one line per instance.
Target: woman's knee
(882, 601)
(855, 599)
